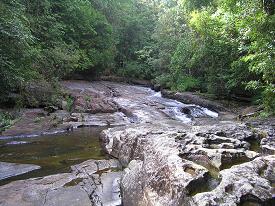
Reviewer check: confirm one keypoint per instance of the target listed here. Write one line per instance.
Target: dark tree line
(222, 47)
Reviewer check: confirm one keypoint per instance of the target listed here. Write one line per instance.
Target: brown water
(54, 153)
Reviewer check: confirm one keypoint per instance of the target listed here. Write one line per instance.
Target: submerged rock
(8, 170)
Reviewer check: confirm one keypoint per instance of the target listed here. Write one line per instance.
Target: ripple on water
(54, 153)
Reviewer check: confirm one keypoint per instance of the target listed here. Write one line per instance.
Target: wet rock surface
(265, 129)
(189, 98)
(172, 152)
(8, 170)
(33, 122)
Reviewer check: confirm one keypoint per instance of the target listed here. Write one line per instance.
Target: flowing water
(55, 153)
(179, 111)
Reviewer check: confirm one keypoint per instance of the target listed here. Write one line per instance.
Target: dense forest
(221, 47)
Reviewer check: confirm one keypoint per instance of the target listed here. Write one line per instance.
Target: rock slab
(8, 170)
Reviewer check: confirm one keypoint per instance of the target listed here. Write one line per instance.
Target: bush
(269, 99)
(178, 83)
(187, 83)
(5, 121)
(164, 80)
(134, 69)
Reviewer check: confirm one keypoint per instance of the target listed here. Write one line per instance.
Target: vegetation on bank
(6, 120)
(222, 47)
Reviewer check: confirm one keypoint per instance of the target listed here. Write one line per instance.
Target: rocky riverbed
(162, 152)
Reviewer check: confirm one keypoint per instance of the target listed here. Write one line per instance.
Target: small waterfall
(179, 111)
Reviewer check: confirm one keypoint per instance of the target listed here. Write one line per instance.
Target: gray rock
(102, 119)
(73, 196)
(190, 98)
(8, 170)
(156, 175)
(159, 171)
(238, 182)
(219, 146)
(90, 183)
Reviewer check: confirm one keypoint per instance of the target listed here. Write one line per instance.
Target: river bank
(169, 149)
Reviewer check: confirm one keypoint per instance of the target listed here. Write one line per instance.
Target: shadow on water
(251, 200)
(54, 153)
(229, 161)
(207, 184)
(254, 145)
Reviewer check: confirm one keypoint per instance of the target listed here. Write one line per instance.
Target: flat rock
(73, 196)
(8, 170)
(101, 119)
(90, 183)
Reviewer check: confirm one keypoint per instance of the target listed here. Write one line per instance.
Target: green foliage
(70, 103)
(223, 47)
(190, 5)
(186, 83)
(178, 82)
(6, 120)
(228, 45)
(131, 70)
(15, 46)
(269, 99)
(45, 40)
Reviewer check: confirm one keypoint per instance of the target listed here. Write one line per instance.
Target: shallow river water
(54, 153)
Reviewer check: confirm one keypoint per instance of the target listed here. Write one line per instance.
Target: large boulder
(156, 175)
(91, 102)
(171, 164)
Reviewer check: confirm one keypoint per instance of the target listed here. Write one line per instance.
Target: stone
(73, 196)
(92, 182)
(238, 182)
(156, 175)
(64, 105)
(103, 119)
(169, 157)
(165, 162)
(190, 98)
(8, 170)
(51, 109)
